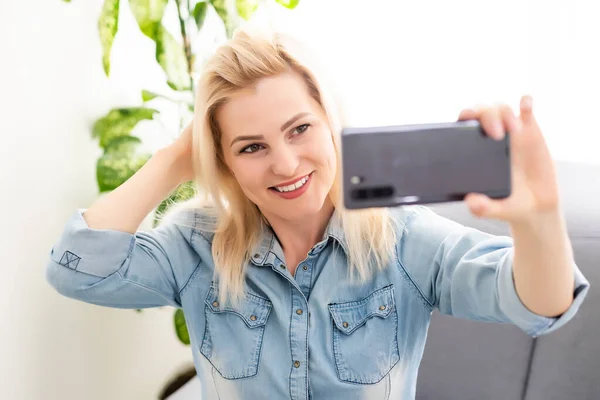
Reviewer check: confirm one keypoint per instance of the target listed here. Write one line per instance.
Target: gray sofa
(471, 360)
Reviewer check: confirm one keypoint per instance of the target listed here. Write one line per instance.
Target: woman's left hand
(534, 186)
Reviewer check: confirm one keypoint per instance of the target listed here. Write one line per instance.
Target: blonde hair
(236, 222)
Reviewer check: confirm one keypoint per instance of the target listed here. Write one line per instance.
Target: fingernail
(527, 102)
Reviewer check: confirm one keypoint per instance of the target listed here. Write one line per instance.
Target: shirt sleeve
(468, 273)
(119, 269)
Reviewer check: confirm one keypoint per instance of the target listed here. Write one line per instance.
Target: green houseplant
(122, 155)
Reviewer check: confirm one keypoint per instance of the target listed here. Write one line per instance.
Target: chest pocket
(233, 336)
(365, 340)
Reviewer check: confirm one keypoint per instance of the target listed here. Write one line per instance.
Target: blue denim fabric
(315, 335)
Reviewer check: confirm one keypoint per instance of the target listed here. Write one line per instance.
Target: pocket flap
(351, 315)
(253, 309)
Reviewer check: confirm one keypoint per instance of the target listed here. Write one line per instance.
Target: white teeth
(295, 186)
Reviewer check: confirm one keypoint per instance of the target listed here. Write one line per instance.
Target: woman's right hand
(181, 149)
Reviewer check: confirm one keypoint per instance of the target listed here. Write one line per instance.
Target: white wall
(52, 89)
(424, 61)
(429, 60)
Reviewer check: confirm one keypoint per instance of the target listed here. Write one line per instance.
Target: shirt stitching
(194, 272)
(412, 283)
(410, 280)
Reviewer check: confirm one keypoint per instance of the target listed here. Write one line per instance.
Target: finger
(467, 113)
(526, 106)
(528, 120)
(484, 207)
(473, 112)
(492, 123)
(510, 120)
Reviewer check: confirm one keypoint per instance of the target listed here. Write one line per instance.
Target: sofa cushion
(472, 360)
(566, 363)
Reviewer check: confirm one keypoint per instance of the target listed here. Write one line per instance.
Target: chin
(306, 208)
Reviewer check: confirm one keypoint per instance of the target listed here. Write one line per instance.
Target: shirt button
(215, 304)
(253, 317)
(305, 267)
(297, 364)
(299, 311)
(382, 308)
(282, 266)
(257, 255)
(345, 324)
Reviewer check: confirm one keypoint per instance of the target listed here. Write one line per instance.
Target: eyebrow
(283, 128)
(293, 119)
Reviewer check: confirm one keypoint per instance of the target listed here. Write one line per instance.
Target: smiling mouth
(291, 187)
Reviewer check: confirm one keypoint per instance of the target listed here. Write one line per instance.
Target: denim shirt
(314, 335)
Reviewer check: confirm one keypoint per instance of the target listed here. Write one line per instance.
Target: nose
(285, 161)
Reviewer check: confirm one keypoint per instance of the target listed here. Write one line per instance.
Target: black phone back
(422, 163)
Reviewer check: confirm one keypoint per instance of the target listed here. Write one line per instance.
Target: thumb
(484, 207)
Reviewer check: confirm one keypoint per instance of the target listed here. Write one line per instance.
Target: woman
(286, 293)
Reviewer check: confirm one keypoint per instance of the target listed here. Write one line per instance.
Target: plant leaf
(119, 122)
(171, 57)
(199, 13)
(169, 53)
(121, 159)
(181, 327)
(291, 4)
(227, 15)
(123, 144)
(108, 24)
(148, 95)
(183, 192)
(148, 14)
(246, 8)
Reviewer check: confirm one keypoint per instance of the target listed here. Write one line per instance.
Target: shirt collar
(334, 230)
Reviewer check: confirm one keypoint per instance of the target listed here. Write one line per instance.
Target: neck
(298, 236)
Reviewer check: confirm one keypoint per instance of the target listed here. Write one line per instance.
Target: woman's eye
(253, 148)
(300, 129)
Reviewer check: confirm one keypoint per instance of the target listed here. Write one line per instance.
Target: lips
(290, 182)
(295, 193)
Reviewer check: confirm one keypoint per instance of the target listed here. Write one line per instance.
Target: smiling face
(277, 143)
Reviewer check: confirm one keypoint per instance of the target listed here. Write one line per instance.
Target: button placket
(298, 322)
(298, 345)
(303, 275)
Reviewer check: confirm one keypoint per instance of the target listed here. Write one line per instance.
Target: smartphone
(422, 163)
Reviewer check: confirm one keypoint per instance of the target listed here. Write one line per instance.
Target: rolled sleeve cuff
(97, 252)
(533, 324)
